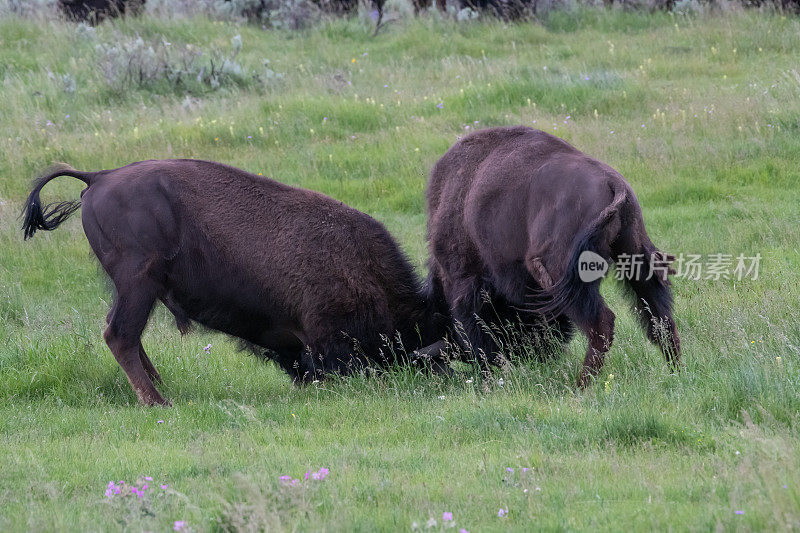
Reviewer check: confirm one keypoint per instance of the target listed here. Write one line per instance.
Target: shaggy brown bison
(511, 211)
(94, 11)
(305, 277)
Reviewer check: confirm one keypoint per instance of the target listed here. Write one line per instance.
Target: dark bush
(503, 9)
(253, 10)
(337, 7)
(520, 9)
(792, 6)
(260, 10)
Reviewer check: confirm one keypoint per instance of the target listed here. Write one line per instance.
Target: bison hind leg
(652, 303)
(152, 373)
(550, 335)
(473, 312)
(562, 330)
(126, 322)
(594, 318)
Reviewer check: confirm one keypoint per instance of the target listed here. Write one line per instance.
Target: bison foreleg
(290, 359)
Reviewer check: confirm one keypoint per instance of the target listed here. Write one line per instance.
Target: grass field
(701, 114)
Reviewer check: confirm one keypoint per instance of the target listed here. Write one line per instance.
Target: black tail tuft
(35, 217)
(47, 219)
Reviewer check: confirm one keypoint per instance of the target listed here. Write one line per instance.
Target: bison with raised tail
(511, 211)
(314, 282)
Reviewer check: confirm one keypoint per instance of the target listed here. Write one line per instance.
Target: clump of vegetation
(294, 14)
(29, 8)
(285, 14)
(129, 63)
(262, 505)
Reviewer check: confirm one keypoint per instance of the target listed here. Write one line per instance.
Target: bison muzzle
(315, 283)
(514, 213)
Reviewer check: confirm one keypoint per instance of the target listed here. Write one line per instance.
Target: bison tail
(573, 289)
(35, 217)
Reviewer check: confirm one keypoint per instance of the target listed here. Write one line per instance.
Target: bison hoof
(584, 380)
(153, 400)
(161, 402)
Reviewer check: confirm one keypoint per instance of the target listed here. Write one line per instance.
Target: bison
(95, 11)
(316, 284)
(511, 211)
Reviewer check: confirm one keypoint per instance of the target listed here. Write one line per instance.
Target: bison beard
(310, 280)
(510, 212)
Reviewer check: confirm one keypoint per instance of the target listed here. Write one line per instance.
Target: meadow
(701, 113)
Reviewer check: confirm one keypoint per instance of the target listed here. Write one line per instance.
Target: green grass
(702, 116)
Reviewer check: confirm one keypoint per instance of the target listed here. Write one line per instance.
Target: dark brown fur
(510, 211)
(95, 11)
(311, 280)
